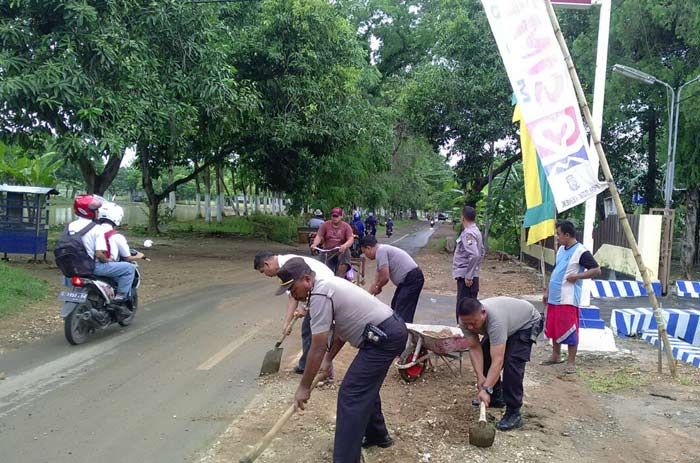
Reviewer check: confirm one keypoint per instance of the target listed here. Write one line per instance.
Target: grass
(282, 229)
(18, 289)
(613, 381)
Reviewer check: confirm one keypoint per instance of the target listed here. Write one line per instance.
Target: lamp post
(675, 100)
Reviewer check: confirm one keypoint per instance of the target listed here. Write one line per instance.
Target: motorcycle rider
(317, 220)
(357, 225)
(371, 224)
(389, 227)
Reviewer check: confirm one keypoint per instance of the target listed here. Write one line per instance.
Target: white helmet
(111, 212)
(318, 213)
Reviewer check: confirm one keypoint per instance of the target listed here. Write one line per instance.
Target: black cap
(294, 269)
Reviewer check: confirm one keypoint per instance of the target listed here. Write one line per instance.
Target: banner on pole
(540, 79)
(540, 216)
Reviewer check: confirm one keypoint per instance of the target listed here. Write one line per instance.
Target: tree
(19, 167)
(68, 72)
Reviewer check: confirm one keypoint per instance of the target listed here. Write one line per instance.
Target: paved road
(158, 391)
(161, 390)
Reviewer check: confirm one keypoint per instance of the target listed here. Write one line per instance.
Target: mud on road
(565, 419)
(605, 413)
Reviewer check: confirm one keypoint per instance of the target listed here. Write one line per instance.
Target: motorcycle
(389, 230)
(432, 223)
(88, 305)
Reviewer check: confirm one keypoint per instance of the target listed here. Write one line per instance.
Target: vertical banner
(540, 216)
(540, 79)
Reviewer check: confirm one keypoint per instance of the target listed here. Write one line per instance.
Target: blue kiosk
(24, 219)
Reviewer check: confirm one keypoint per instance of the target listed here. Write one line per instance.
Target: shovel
(260, 447)
(273, 358)
(482, 434)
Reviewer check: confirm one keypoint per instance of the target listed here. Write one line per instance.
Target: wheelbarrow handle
(283, 337)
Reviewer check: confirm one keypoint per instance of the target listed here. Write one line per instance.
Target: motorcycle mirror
(147, 244)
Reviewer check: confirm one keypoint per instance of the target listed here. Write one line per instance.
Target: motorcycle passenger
(117, 246)
(123, 272)
(371, 224)
(317, 220)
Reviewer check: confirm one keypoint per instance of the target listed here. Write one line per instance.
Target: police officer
(468, 255)
(342, 312)
(395, 265)
(510, 326)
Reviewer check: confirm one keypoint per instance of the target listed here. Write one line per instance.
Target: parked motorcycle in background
(88, 305)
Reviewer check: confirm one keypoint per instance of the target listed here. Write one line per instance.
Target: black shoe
(298, 370)
(383, 443)
(495, 403)
(510, 420)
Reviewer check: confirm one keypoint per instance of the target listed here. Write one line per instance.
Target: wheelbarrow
(426, 342)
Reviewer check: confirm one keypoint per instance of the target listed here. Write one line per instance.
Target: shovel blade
(272, 361)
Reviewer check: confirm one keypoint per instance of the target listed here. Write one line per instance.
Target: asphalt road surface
(161, 390)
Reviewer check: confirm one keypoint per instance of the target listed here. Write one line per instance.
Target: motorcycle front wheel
(75, 326)
(134, 305)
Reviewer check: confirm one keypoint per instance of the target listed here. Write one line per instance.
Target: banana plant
(17, 167)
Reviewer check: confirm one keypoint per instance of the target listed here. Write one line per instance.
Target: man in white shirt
(110, 215)
(269, 264)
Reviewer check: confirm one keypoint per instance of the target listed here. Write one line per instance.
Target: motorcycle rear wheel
(75, 327)
(134, 305)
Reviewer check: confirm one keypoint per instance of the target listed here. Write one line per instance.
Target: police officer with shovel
(342, 312)
(509, 327)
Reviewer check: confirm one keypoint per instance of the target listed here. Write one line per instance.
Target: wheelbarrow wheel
(413, 373)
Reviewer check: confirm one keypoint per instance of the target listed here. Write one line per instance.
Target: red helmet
(86, 206)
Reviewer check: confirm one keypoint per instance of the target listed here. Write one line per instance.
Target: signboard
(543, 88)
(572, 3)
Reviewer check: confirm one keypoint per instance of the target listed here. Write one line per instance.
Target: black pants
(518, 347)
(466, 291)
(359, 411)
(406, 296)
(305, 339)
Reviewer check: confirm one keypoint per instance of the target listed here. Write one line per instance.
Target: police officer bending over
(510, 326)
(342, 312)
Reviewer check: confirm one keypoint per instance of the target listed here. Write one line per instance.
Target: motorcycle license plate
(73, 296)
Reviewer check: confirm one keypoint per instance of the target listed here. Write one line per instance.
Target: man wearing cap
(317, 220)
(336, 233)
(395, 265)
(342, 312)
(269, 264)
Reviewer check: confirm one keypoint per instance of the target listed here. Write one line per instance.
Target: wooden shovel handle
(482, 411)
(284, 336)
(260, 447)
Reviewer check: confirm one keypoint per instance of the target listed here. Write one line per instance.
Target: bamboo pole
(595, 136)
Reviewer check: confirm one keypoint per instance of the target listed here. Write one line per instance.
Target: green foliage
(20, 168)
(282, 229)
(18, 289)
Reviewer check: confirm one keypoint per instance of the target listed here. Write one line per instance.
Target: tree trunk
(691, 220)
(234, 197)
(219, 195)
(171, 180)
(147, 182)
(207, 195)
(652, 164)
(198, 195)
(245, 201)
(257, 199)
(98, 184)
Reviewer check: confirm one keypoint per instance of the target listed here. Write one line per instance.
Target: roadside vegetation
(19, 288)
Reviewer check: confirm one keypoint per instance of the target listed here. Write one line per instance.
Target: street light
(675, 101)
